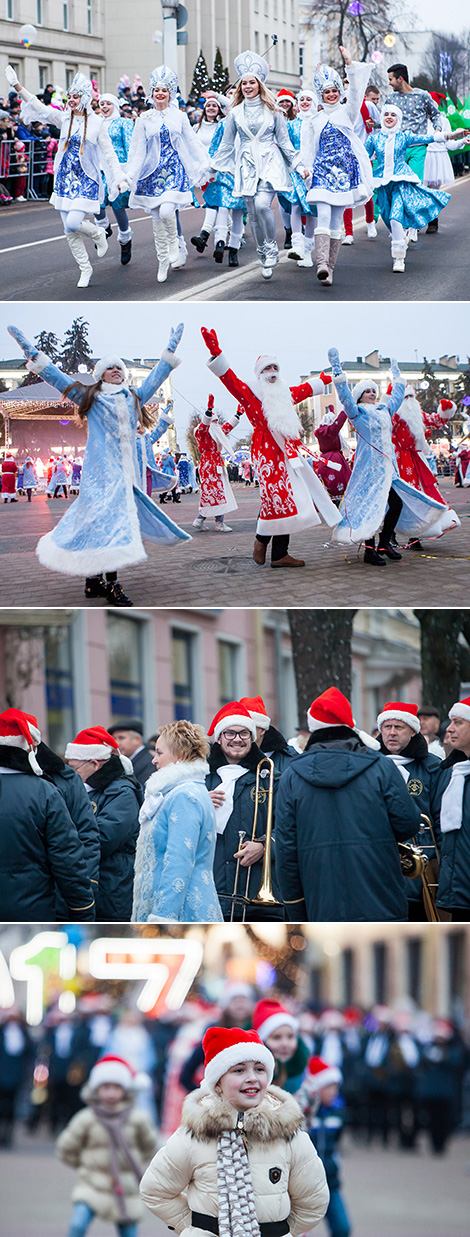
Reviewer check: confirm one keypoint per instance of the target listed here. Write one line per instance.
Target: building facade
(69, 38)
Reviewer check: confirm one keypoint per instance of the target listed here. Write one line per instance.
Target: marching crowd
(237, 823)
(321, 153)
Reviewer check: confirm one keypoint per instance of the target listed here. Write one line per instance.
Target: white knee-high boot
(398, 254)
(169, 224)
(96, 234)
(162, 249)
(78, 250)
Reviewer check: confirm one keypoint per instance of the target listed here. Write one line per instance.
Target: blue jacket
(325, 1133)
(116, 799)
(175, 851)
(454, 880)
(341, 808)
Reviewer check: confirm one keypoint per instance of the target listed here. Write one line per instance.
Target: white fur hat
(106, 363)
(111, 98)
(367, 384)
(263, 362)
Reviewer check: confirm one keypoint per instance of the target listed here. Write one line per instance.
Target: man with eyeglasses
(231, 783)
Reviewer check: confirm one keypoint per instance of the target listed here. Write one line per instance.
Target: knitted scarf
(237, 1212)
(113, 1123)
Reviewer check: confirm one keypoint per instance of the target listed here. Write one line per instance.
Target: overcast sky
(452, 16)
(298, 333)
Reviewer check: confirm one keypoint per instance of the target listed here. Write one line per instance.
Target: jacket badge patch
(275, 1175)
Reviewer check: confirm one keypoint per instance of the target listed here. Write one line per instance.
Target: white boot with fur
(79, 253)
(96, 234)
(162, 249)
(398, 255)
(171, 230)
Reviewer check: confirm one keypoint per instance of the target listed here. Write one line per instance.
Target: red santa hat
(461, 709)
(322, 1074)
(410, 392)
(269, 1015)
(262, 363)
(232, 714)
(331, 708)
(257, 710)
(283, 93)
(21, 730)
(398, 711)
(119, 1071)
(224, 1048)
(96, 744)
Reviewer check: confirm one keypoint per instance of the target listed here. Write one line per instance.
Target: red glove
(389, 389)
(210, 403)
(445, 404)
(211, 341)
(240, 411)
(326, 378)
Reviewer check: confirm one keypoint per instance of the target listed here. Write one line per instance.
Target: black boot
(115, 595)
(232, 256)
(371, 556)
(219, 251)
(126, 252)
(415, 545)
(390, 552)
(95, 587)
(108, 230)
(288, 238)
(433, 225)
(200, 241)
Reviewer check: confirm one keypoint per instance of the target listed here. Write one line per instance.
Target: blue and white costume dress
(146, 462)
(173, 875)
(120, 130)
(166, 160)
(297, 197)
(375, 471)
(402, 200)
(220, 196)
(103, 529)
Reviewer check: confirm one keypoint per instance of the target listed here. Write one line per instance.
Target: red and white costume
(332, 467)
(409, 428)
(292, 496)
(462, 465)
(9, 471)
(216, 495)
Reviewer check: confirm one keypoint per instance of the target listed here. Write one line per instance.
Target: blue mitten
(29, 350)
(394, 369)
(333, 357)
(175, 336)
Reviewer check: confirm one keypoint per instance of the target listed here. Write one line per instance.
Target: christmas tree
(200, 80)
(220, 76)
(48, 342)
(75, 348)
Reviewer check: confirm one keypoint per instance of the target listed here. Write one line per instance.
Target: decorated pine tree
(200, 80)
(220, 76)
(75, 349)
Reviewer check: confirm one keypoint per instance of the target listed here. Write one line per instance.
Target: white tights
(72, 219)
(261, 216)
(165, 211)
(329, 219)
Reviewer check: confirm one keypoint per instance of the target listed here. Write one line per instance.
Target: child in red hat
(240, 1165)
(323, 1109)
(279, 1030)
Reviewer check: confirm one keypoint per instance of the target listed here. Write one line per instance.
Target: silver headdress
(163, 76)
(82, 86)
(250, 63)
(324, 77)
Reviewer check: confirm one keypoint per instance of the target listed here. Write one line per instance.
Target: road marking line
(60, 237)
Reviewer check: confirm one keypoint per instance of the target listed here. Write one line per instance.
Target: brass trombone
(415, 863)
(265, 896)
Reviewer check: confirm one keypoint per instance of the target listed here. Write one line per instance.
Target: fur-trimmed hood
(172, 775)
(278, 1116)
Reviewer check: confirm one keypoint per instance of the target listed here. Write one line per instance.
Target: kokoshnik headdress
(82, 86)
(253, 64)
(163, 76)
(325, 77)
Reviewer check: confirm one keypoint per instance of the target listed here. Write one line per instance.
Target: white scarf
(112, 388)
(452, 799)
(229, 774)
(237, 1210)
(400, 762)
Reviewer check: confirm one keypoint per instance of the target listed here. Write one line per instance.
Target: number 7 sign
(169, 967)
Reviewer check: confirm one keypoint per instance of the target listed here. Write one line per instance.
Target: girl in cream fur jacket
(240, 1164)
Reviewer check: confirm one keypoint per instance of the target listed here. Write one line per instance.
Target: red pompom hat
(398, 711)
(232, 714)
(333, 709)
(18, 729)
(96, 744)
(269, 1015)
(257, 710)
(322, 1074)
(119, 1071)
(224, 1048)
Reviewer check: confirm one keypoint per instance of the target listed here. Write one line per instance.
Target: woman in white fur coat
(240, 1164)
(173, 880)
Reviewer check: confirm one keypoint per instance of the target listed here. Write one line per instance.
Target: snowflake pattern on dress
(335, 167)
(71, 181)
(170, 173)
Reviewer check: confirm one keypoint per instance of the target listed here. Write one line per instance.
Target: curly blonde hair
(186, 740)
(264, 94)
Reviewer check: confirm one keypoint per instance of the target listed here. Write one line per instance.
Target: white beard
(278, 408)
(410, 412)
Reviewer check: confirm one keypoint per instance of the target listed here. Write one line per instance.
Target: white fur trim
(170, 358)
(127, 765)
(92, 751)
(313, 724)
(460, 710)
(87, 562)
(366, 385)
(14, 740)
(271, 1024)
(218, 365)
(236, 720)
(324, 1078)
(39, 363)
(107, 362)
(34, 763)
(262, 363)
(260, 719)
(111, 1071)
(400, 715)
(235, 1055)
(172, 775)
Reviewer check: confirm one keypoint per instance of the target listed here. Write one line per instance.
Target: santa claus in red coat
(9, 471)
(216, 495)
(333, 467)
(292, 496)
(409, 428)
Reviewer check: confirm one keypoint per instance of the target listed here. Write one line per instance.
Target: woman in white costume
(166, 160)
(256, 142)
(84, 148)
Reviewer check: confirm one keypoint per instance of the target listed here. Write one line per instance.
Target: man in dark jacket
(402, 743)
(269, 740)
(129, 737)
(70, 786)
(450, 809)
(231, 782)
(40, 849)
(116, 798)
(341, 809)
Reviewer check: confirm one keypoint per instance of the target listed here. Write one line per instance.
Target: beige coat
(183, 1176)
(84, 1145)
